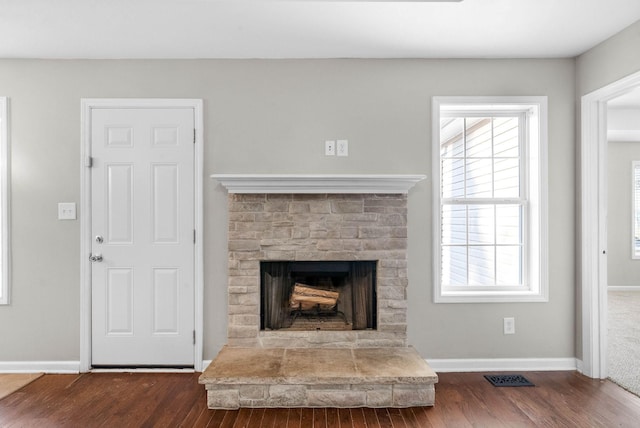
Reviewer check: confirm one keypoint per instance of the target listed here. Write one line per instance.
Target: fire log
(306, 298)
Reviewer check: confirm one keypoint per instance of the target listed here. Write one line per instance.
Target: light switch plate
(66, 211)
(330, 148)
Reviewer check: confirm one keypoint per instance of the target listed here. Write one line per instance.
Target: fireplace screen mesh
(318, 295)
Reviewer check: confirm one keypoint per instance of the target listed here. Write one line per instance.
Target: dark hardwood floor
(559, 399)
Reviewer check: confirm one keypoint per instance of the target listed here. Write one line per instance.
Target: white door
(142, 223)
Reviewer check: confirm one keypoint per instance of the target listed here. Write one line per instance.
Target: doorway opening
(593, 217)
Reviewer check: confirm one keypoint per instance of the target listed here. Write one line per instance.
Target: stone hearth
(277, 377)
(318, 218)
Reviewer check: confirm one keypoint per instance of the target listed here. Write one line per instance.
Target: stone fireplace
(318, 266)
(313, 228)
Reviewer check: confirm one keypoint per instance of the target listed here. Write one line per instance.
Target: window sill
(491, 297)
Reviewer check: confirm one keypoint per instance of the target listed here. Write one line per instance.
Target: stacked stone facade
(320, 395)
(301, 227)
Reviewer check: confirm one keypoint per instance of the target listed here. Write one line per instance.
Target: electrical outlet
(342, 147)
(329, 148)
(509, 325)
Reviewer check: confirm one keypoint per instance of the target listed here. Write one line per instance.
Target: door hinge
(88, 162)
(194, 337)
(194, 236)
(194, 135)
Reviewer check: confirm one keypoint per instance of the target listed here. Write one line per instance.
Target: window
(635, 243)
(489, 163)
(4, 198)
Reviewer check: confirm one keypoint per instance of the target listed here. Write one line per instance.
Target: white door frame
(593, 225)
(85, 216)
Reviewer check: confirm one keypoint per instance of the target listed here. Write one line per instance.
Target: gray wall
(609, 61)
(621, 268)
(273, 116)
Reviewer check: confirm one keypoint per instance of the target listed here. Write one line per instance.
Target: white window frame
(635, 204)
(535, 265)
(4, 202)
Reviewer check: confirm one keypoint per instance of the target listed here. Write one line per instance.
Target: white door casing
(142, 303)
(593, 223)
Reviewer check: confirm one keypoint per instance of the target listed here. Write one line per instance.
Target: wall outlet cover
(509, 325)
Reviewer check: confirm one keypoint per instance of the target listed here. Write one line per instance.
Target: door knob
(96, 258)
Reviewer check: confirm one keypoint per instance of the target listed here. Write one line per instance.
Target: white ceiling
(308, 28)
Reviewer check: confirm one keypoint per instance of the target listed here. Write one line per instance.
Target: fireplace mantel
(318, 183)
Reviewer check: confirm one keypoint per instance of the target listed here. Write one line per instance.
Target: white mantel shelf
(318, 183)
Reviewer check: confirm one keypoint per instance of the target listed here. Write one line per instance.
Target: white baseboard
(145, 370)
(40, 367)
(439, 365)
(502, 364)
(64, 367)
(623, 288)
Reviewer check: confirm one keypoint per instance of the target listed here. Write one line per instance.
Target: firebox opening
(318, 295)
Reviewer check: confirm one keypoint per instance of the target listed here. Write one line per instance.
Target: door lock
(96, 258)
(99, 239)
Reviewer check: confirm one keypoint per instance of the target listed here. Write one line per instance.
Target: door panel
(119, 301)
(119, 212)
(142, 206)
(166, 300)
(165, 203)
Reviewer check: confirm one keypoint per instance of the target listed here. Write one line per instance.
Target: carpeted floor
(624, 339)
(11, 382)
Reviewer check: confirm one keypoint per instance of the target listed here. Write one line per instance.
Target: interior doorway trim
(85, 216)
(593, 226)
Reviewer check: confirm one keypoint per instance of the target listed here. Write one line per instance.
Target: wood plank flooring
(559, 399)
(11, 382)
